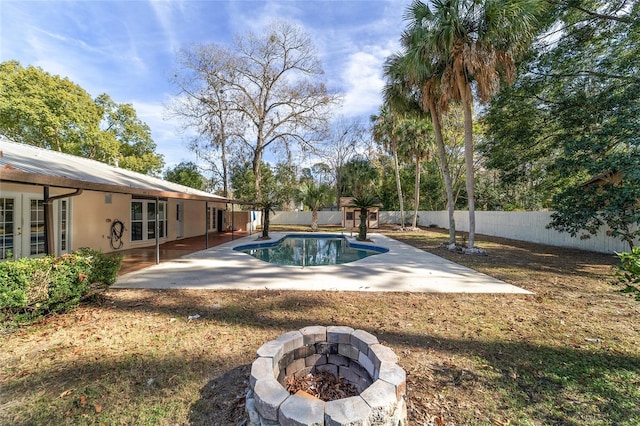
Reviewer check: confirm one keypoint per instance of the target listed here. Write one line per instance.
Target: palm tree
(364, 202)
(417, 137)
(385, 133)
(315, 196)
(358, 176)
(407, 74)
(475, 41)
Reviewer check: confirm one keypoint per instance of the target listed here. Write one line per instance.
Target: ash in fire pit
(349, 369)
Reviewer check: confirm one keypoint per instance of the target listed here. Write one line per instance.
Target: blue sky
(127, 48)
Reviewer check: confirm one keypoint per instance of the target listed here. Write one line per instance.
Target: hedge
(628, 272)
(31, 288)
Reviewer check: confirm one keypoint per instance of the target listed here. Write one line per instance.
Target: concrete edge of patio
(403, 268)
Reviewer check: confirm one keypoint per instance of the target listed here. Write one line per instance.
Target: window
(143, 220)
(211, 219)
(6, 228)
(162, 217)
(151, 221)
(136, 220)
(373, 215)
(63, 225)
(36, 241)
(349, 215)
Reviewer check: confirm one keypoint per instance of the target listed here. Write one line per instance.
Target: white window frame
(148, 234)
(212, 218)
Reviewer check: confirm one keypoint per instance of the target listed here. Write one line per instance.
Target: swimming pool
(310, 250)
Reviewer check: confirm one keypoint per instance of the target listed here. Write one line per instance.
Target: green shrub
(32, 288)
(628, 272)
(105, 267)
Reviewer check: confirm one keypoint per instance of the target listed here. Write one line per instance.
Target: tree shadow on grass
(544, 384)
(222, 400)
(520, 255)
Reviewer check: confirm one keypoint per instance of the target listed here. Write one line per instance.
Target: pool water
(310, 250)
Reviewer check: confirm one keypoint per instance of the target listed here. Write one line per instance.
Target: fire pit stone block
(299, 410)
(262, 368)
(269, 394)
(352, 411)
(313, 334)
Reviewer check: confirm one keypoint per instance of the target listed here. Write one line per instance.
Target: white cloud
(254, 17)
(164, 12)
(363, 80)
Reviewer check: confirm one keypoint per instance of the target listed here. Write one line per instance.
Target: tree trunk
(362, 228)
(465, 93)
(265, 223)
(417, 194)
(257, 159)
(444, 169)
(398, 186)
(314, 220)
(225, 170)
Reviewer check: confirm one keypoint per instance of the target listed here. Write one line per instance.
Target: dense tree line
(566, 136)
(52, 112)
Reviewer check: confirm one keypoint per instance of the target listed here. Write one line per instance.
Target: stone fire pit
(354, 355)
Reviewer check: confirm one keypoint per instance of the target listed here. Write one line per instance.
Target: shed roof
(22, 163)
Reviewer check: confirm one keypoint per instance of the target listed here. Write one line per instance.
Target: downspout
(48, 217)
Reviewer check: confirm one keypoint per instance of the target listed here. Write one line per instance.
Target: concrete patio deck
(404, 268)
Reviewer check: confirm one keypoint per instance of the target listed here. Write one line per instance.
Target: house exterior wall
(92, 216)
(194, 218)
(92, 213)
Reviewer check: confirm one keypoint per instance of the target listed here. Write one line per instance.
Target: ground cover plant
(566, 355)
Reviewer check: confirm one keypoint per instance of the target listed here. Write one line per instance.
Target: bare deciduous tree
(264, 92)
(204, 105)
(344, 140)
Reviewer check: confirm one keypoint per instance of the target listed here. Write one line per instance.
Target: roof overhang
(12, 175)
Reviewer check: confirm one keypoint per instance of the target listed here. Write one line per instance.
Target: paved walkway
(403, 268)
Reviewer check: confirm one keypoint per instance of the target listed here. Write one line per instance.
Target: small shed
(351, 215)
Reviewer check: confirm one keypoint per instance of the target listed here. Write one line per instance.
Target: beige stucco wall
(194, 216)
(91, 218)
(240, 220)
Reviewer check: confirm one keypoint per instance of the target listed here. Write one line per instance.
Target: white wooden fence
(524, 226)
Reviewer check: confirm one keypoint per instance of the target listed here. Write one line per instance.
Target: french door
(22, 226)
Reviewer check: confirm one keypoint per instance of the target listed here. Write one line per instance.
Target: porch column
(206, 224)
(48, 223)
(157, 232)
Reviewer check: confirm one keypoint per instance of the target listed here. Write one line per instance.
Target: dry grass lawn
(567, 355)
